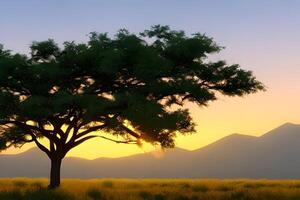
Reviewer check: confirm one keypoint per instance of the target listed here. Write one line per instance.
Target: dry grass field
(150, 189)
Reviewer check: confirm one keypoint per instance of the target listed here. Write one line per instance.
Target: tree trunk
(55, 173)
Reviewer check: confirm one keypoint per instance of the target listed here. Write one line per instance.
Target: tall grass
(150, 189)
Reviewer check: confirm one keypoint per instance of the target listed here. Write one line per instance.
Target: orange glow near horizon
(262, 36)
(254, 115)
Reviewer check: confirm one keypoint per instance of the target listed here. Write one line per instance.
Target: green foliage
(124, 85)
(4, 53)
(12, 136)
(45, 50)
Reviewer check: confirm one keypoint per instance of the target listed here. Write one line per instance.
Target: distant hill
(275, 155)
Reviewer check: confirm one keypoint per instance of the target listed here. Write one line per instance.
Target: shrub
(108, 184)
(37, 185)
(42, 194)
(254, 185)
(185, 185)
(224, 188)
(182, 197)
(20, 183)
(240, 195)
(200, 188)
(95, 194)
(145, 195)
(11, 195)
(45, 194)
(160, 197)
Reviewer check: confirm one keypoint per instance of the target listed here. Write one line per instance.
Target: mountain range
(274, 155)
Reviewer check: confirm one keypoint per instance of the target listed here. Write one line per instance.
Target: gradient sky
(261, 35)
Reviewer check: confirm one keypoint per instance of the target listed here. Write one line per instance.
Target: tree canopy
(133, 86)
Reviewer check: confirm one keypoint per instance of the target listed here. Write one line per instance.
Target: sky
(261, 35)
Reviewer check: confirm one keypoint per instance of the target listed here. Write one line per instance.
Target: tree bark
(55, 173)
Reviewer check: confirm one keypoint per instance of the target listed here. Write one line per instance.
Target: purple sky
(261, 35)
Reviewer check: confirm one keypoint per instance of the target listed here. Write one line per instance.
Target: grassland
(150, 189)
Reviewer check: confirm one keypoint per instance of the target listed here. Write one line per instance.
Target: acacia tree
(131, 86)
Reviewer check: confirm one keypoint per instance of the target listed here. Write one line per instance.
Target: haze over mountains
(274, 155)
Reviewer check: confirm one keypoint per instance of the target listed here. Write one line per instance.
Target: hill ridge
(234, 156)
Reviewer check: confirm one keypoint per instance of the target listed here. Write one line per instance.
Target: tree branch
(131, 132)
(39, 145)
(120, 141)
(78, 142)
(48, 134)
(95, 128)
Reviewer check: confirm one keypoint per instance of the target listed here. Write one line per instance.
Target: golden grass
(150, 189)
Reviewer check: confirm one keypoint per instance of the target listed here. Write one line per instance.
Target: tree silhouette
(130, 86)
